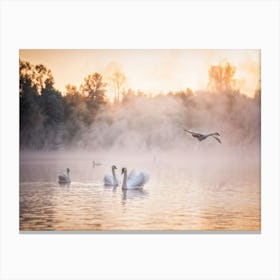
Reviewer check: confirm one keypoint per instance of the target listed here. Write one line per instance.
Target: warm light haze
(140, 140)
(151, 71)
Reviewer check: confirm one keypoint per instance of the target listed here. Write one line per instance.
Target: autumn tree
(94, 89)
(221, 78)
(75, 112)
(31, 116)
(118, 80)
(34, 75)
(52, 103)
(41, 106)
(72, 95)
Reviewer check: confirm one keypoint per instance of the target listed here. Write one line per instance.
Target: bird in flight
(203, 136)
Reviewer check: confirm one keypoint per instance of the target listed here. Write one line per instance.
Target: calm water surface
(179, 196)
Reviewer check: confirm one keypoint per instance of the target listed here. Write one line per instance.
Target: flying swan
(134, 180)
(63, 178)
(203, 136)
(112, 180)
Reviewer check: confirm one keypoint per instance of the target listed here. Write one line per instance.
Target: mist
(192, 185)
(142, 124)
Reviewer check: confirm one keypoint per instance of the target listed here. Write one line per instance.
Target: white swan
(111, 180)
(201, 136)
(134, 180)
(63, 178)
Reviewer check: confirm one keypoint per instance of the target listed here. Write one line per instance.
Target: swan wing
(145, 177)
(189, 131)
(217, 139)
(63, 178)
(138, 181)
(61, 173)
(108, 180)
(132, 174)
(195, 134)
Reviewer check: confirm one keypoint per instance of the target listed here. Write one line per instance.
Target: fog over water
(193, 185)
(185, 192)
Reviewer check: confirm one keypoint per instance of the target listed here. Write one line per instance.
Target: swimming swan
(63, 178)
(134, 180)
(111, 180)
(201, 136)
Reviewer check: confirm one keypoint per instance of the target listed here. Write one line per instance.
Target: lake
(184, 193)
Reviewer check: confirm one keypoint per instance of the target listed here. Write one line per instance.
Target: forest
(85, 118)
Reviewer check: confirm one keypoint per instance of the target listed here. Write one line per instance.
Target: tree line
(51, 120)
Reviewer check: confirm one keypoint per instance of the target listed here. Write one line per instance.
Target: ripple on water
(172, 200)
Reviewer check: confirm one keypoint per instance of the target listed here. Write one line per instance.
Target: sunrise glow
(151, 71)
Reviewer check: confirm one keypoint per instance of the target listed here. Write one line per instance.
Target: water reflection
(224, 197)
(134, 194)
(64, 184)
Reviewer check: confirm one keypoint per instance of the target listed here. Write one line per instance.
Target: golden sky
(148, 70)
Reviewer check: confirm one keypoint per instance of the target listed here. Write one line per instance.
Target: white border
(155, 24)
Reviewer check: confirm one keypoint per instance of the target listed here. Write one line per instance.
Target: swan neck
(124, 180)
(114, 175)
